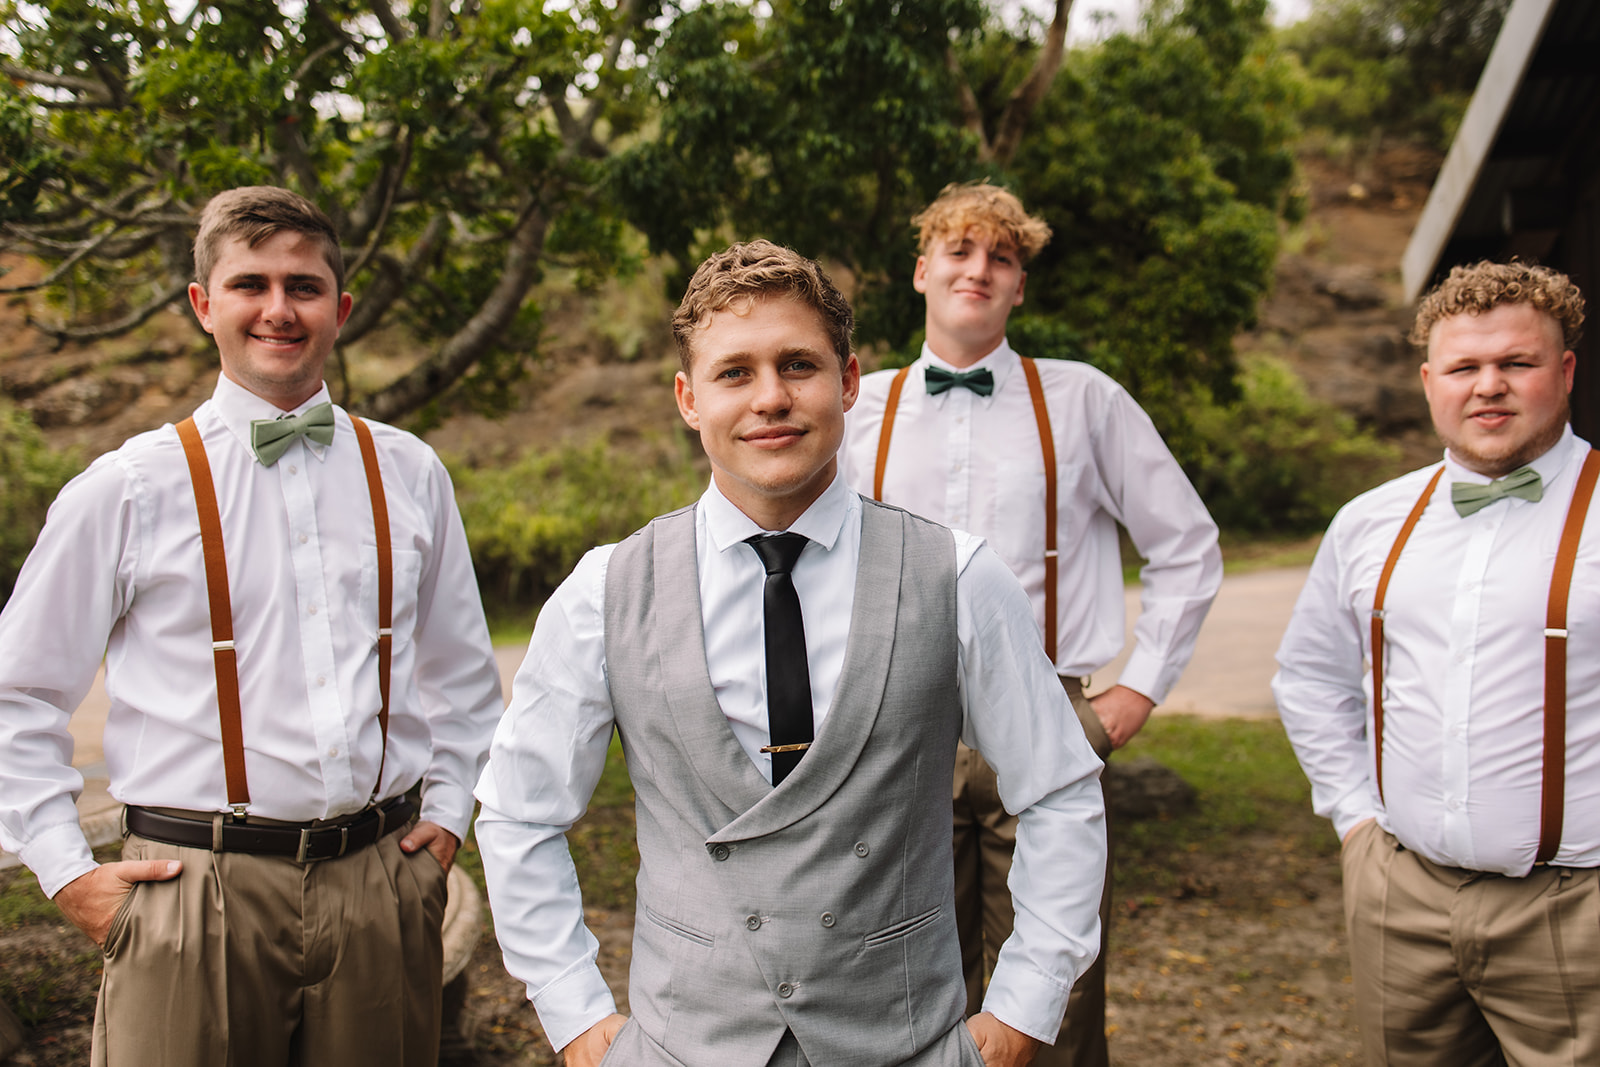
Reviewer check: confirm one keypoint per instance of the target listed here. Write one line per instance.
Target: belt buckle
(305, 843)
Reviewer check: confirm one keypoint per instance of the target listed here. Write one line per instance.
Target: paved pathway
(1229, 676)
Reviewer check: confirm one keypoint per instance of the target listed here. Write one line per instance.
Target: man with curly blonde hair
(1462, 768)
(789, 668)
(1044, 459)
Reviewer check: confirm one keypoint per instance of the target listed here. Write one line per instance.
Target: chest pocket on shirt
(1015, 525)
(407, 576)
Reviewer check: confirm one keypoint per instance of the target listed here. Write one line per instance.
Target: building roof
(1528, 150)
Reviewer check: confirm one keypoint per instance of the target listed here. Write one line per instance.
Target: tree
(1163, 162)
(459, 147)
(1405, 67)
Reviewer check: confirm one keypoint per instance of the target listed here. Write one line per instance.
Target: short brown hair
(744, 273)
(1484, 285)
(253, 213)
(993, 211)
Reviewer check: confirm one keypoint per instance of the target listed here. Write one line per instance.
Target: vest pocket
(671, 926)
(902, 929)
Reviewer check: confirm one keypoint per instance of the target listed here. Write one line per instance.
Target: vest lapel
(856, 701)
(712, 750)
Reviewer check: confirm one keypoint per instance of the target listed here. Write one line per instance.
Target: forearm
(538, 912)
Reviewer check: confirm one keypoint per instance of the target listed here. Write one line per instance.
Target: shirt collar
(238, 407)
(822, 522)
(1001, 362)
(1550, 466)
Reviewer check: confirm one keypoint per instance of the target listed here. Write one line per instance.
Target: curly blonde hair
(743, 273)
(993, 211)
(1484, 285)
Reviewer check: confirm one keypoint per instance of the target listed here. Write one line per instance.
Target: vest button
(785, 989)
(719, 852)
(861, 848)
(752, 922)
(827, 918)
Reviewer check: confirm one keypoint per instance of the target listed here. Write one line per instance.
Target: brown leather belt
(222, 832)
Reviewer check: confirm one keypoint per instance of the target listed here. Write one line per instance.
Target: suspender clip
(385, 631)
(222, 646)
(1051, 553)
(238, 812)
(1558, 634)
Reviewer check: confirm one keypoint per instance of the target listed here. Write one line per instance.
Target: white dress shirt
(550, 748)
(1463, 671)
(118, 571)
(975, 463)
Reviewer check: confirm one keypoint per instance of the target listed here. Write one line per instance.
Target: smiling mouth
(773, 436)
(281, 342)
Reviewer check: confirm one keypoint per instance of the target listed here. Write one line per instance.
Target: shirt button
(785, 989)
(321, 681)
(752, 922)
(312, 609)
(719, 852)
(333, 753)
(293, 469)
(861, 848)
(304, 539)
(828, 919)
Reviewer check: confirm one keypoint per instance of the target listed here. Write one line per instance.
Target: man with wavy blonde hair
(1440, 682)
(789, 668)
(1044, 459)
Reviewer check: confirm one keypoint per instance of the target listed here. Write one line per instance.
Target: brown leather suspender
(890, 406)
(222, 653)
(225, 660)
(1047, 446)
(1378, 616)
(1552, 802)
(1553, 788)
(380, 529)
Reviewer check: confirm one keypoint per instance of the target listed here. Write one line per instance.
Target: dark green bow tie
(271, 438)
(939, 380)
(1469, 497)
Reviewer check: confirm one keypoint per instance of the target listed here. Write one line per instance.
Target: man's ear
(1022, 284)
(852, 381)
(200, 302)
(683, 392)
(919, 275)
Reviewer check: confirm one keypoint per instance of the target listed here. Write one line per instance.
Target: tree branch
(87, 86)
(388, 283)
(393, 179)
(457, 355)
(110, 329)
(971, 114)
(392, 26)
(1023, 102)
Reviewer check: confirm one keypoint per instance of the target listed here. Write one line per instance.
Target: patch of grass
(1248, 782)
(21, 900)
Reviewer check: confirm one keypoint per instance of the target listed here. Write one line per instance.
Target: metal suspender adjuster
(1559, 634)
(1380, 613)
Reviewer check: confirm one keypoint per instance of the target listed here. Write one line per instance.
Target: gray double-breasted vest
(823, 906)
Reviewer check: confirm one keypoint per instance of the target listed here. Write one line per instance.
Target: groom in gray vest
(790, 668)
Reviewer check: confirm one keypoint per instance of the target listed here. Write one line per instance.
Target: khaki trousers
(985, 838)
(1457, 968)
(247, 960)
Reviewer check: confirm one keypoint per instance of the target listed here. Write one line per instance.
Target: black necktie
(788, 675)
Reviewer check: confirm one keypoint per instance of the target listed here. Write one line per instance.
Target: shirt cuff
(1027, 1000)
(449, 806)
(1147, 674)
(58, 855)
(572, 1003)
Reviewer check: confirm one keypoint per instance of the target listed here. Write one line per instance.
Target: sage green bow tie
(1469, 497)
(271, 438)
(939, 380)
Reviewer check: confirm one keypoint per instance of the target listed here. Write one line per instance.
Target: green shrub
(1278, 461)
(530, 523)
(31, 474)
